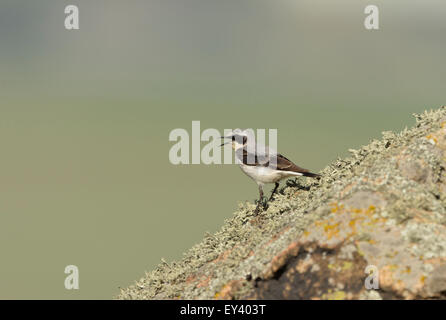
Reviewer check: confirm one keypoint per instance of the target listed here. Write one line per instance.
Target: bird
(262, 163)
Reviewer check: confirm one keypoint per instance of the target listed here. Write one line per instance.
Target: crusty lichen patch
(385, 205)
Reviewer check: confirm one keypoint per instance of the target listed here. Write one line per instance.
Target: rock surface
(382, 209)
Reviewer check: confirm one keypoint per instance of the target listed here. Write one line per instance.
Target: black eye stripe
(238, 138)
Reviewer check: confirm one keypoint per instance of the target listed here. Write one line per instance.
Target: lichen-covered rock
(385, 206)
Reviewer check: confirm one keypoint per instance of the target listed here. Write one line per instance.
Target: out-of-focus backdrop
(85, 117)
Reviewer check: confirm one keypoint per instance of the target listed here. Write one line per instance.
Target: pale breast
(262, 175)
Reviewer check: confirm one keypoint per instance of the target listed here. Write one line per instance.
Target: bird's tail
(311, 175)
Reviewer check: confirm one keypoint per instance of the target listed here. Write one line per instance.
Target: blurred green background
(85, 117)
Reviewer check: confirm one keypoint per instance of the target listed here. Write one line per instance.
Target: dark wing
(251, 159)
(285, 164)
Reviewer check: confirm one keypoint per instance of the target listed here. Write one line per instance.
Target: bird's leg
(259, 203)
(274, 191)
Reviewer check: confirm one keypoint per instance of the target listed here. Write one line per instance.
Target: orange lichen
(336, 208)
(226, 291)
(330, 228)
(432, 138)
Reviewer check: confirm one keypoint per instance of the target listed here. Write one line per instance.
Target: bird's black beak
(225, 142)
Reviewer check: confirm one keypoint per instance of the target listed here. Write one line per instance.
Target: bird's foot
(261, 206)
(292, 183)
(273, 193)
(257, 210)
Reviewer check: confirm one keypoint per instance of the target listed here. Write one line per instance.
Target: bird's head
(238, 139)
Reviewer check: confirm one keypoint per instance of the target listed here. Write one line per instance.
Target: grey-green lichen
(394, 181)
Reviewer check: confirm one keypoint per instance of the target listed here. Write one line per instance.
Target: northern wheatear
(262, 164)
